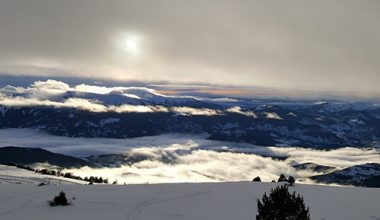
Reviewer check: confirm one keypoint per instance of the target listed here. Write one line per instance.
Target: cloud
(192, 166)
(52, 86)
(52, 93)
(186, 163)
(225, 99)
(81, 104)
(138, 108)
(92, 89)
(340, 158)
(272, 115)
(187, 158)
(195, 111)
(238, 110)
(295, 44)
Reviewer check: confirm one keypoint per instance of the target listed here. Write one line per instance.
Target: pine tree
(291, 180)
(282, 205)
(59, 200)
(256, 179)
(282, 178)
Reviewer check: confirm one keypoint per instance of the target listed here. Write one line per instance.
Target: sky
(305, 45)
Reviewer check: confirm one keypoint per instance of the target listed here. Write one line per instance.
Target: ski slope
(190, 201)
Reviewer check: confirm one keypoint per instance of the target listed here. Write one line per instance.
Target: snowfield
(191, 201)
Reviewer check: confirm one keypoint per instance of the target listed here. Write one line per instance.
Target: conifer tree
(282, 205)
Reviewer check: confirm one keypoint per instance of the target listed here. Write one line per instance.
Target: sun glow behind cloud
(131, 44)
(223, 43)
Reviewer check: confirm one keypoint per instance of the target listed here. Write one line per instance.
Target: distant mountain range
(317, 125)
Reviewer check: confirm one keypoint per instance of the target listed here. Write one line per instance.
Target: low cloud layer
(184, 158)
(57, 94)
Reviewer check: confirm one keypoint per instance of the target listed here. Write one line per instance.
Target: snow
(292, 114)
(272, 115)
(3, 110)
(361, 172)
(188, 201)
(13, 175)
(109, 121)
(238, 110)
(229, 126)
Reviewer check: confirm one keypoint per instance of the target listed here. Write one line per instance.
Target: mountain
(367, 175)
(314, 167)
(27, 156)
(124, 112)
(312, 125)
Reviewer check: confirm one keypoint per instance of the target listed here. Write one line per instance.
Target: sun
(131, 44)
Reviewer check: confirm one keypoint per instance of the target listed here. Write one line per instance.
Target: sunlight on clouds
(92, 89)
(238, 110)
(58, 94)
(188, 163)
(51, 86)
(195, 111)
(273, 115)
(138, 108)
(186, 158)
(340, 158)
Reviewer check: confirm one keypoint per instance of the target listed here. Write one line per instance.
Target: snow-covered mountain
(123, 112)
(266, 125)
(359, 175)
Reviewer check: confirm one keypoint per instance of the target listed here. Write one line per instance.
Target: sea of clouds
(57, 94)
(186, 158)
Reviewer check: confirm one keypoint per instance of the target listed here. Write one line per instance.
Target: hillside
(27, 156)
(360, 175)
(191, 201)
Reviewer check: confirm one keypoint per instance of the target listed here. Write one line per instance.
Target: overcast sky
(315, 45)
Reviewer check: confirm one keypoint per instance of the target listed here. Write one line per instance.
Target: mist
(189, 158)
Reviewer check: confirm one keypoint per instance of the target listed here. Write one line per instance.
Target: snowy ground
(190, 201)
(13, 175)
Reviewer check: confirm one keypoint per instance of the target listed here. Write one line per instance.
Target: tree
(282, 178)
(59, 200)
(282, 205)
(291, 180)
(256, 179)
